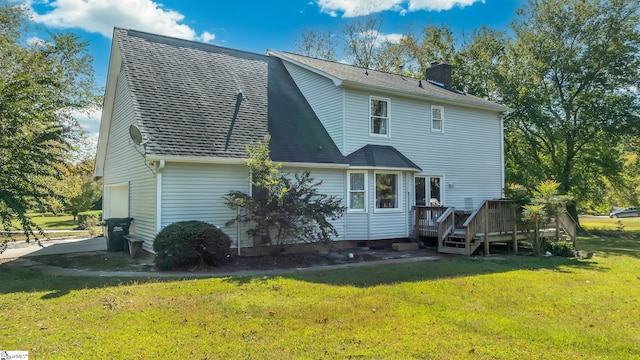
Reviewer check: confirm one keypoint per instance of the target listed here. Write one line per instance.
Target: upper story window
(437, 118)
(387, 190)
(379, 115)
(357, 191)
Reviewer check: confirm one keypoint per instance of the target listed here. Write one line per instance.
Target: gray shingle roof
(380, 156)
(194, 99)
(390, 82)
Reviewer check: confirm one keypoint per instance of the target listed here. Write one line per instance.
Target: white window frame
(428, 178)
(388, 118)
(398, 207)
(433, 129)
(349, 191)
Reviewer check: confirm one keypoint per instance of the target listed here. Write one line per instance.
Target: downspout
(238, 213)
(502, 176)
(159, 169)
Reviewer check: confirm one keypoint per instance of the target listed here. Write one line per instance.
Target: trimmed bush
(560, 248)
(190, 243)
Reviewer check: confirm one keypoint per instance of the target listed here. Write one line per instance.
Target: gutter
(159, 167)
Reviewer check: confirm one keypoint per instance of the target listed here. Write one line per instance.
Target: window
(357, 189)
(379, 114)
(387, 191)
(434, 189)
(420, 183)
(428, 185)
(437, 119)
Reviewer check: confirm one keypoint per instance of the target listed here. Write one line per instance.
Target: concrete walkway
(19, 248)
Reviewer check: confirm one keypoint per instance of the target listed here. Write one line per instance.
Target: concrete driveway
(19, 248)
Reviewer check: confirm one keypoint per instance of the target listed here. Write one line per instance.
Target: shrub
(88, 220)
(190, 243)
(560, 248)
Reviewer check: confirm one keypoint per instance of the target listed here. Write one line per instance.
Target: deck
(495, 221)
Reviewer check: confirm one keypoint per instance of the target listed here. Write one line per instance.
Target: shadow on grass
(449, 267)
(17, 279)
(610, 243)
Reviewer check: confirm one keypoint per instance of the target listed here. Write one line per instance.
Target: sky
(249, 25)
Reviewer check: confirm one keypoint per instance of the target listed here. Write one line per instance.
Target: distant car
(628, 212)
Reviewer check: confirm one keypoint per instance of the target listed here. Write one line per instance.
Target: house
(178, 114)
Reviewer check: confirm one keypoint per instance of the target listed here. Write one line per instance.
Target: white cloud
(35, 41)
(206, 37)
(354, 8)
(381, 38)
(439, 5)
(89, 120)
(100, 16)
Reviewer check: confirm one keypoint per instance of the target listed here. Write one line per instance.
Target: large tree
(571, 76)
(41, 84)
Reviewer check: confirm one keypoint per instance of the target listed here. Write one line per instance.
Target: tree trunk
(572, 210)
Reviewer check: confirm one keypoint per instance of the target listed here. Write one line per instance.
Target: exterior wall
(333, 184)
(124, 164)
(195, 192)
(325, 99)
(468, 154)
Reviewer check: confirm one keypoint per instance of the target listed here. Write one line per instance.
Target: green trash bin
(117, 229)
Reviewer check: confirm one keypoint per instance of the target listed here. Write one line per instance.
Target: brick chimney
(440, 73)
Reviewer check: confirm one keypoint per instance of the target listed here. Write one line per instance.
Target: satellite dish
(135, 134)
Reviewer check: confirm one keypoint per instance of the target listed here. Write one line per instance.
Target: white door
(116, 201)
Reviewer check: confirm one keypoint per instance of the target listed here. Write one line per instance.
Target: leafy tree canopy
(41, 83)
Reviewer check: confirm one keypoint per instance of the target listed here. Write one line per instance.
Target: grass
(606, 223)
(507, 307)
(58, 222)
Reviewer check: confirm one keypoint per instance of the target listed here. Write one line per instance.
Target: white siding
(325, 99)
(467, 154)
(124, 164)
(333, 184)
(195, 192)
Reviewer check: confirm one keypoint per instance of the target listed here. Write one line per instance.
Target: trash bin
(117, 229)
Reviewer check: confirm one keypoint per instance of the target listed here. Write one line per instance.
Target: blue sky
(250, 25)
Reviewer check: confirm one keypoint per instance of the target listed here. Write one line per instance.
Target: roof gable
(379, 156)
(200, 100)
(349, 75)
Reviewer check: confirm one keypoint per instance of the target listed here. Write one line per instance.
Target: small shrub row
(190, 243)
(560, 248)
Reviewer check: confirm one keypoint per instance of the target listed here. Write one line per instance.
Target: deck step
(453, 250)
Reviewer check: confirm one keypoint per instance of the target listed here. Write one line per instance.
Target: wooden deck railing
(492, 217)
(446, 224)
(426, 219)
(494, 220)
(565, 222)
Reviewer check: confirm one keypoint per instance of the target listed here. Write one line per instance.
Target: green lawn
(59, 222)
(605, 223)
(508, 307)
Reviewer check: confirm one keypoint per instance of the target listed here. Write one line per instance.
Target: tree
(545, 205)
(40, 85)
(283, 209)
(363, 45)
(317, 45)
(86, 192)
(571, 77)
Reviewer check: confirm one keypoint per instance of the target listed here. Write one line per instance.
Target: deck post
(486, 228)
(515, 231)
